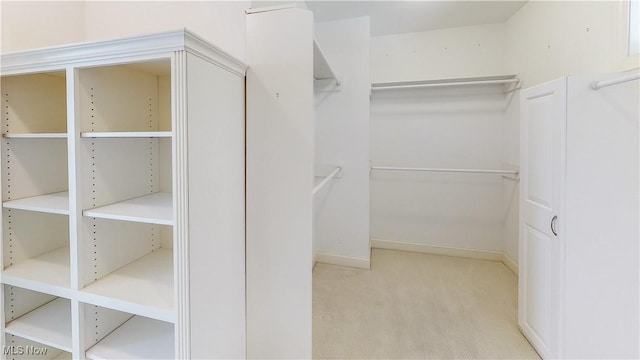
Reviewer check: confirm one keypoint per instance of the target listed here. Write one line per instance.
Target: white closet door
(543, 116)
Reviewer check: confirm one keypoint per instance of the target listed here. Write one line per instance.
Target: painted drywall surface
(464, 211)
(456, 127)
(549, 39)
(222, 23)
(342, 138)
(279, 183)
(300, 4)
(439, 54)
(35, 24)
(27, 24)
(546, 40)
(542, 41)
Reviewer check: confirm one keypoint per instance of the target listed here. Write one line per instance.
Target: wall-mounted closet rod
(326, 180)
(387, 86)
(471, 171)
(600, 84)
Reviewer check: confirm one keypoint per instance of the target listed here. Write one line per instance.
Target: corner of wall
(342, 139)
(222, 23)
(30, 24)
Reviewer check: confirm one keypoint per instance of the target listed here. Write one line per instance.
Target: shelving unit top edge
(199, 46)
(111, 51)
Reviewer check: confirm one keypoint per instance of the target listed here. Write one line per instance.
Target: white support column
(279, 183)
(181, 204)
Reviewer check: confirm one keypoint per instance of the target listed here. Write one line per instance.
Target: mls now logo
(23, 350)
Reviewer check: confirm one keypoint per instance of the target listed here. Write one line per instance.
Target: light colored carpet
(417, 306)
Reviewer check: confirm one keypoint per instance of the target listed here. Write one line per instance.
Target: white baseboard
(508, 262)
(437, 250)
(313, 262)
(355, 262)
(447, 251)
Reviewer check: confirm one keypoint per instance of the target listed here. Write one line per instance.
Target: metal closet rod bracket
(326, 180)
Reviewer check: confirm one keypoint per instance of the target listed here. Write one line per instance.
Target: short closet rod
(600, 84)
(470, 171)
(382, 86)
(326, 180)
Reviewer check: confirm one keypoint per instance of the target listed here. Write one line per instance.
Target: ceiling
(394, 17)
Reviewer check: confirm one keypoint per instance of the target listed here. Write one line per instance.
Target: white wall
(439, 54)
(277, 3)
(450, 128)
(342, 138)
(222, 23)
(542, 41)
(549, 39)
(33, 24)
(27, 24)
(456, 127)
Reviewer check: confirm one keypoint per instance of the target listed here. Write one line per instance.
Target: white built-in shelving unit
(123, 199)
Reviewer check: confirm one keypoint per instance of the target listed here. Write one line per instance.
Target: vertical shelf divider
(75, 208)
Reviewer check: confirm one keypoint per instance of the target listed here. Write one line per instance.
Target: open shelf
(126, 98)
(126, 134)
(55, 203)
(48, 272)
(143, 287)
(63, 355)
(33, 167)
(153, 209)
(19, 348)
(35, 135)
(49, 324)
(321, 68)
(34, 105)
(138, 338)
